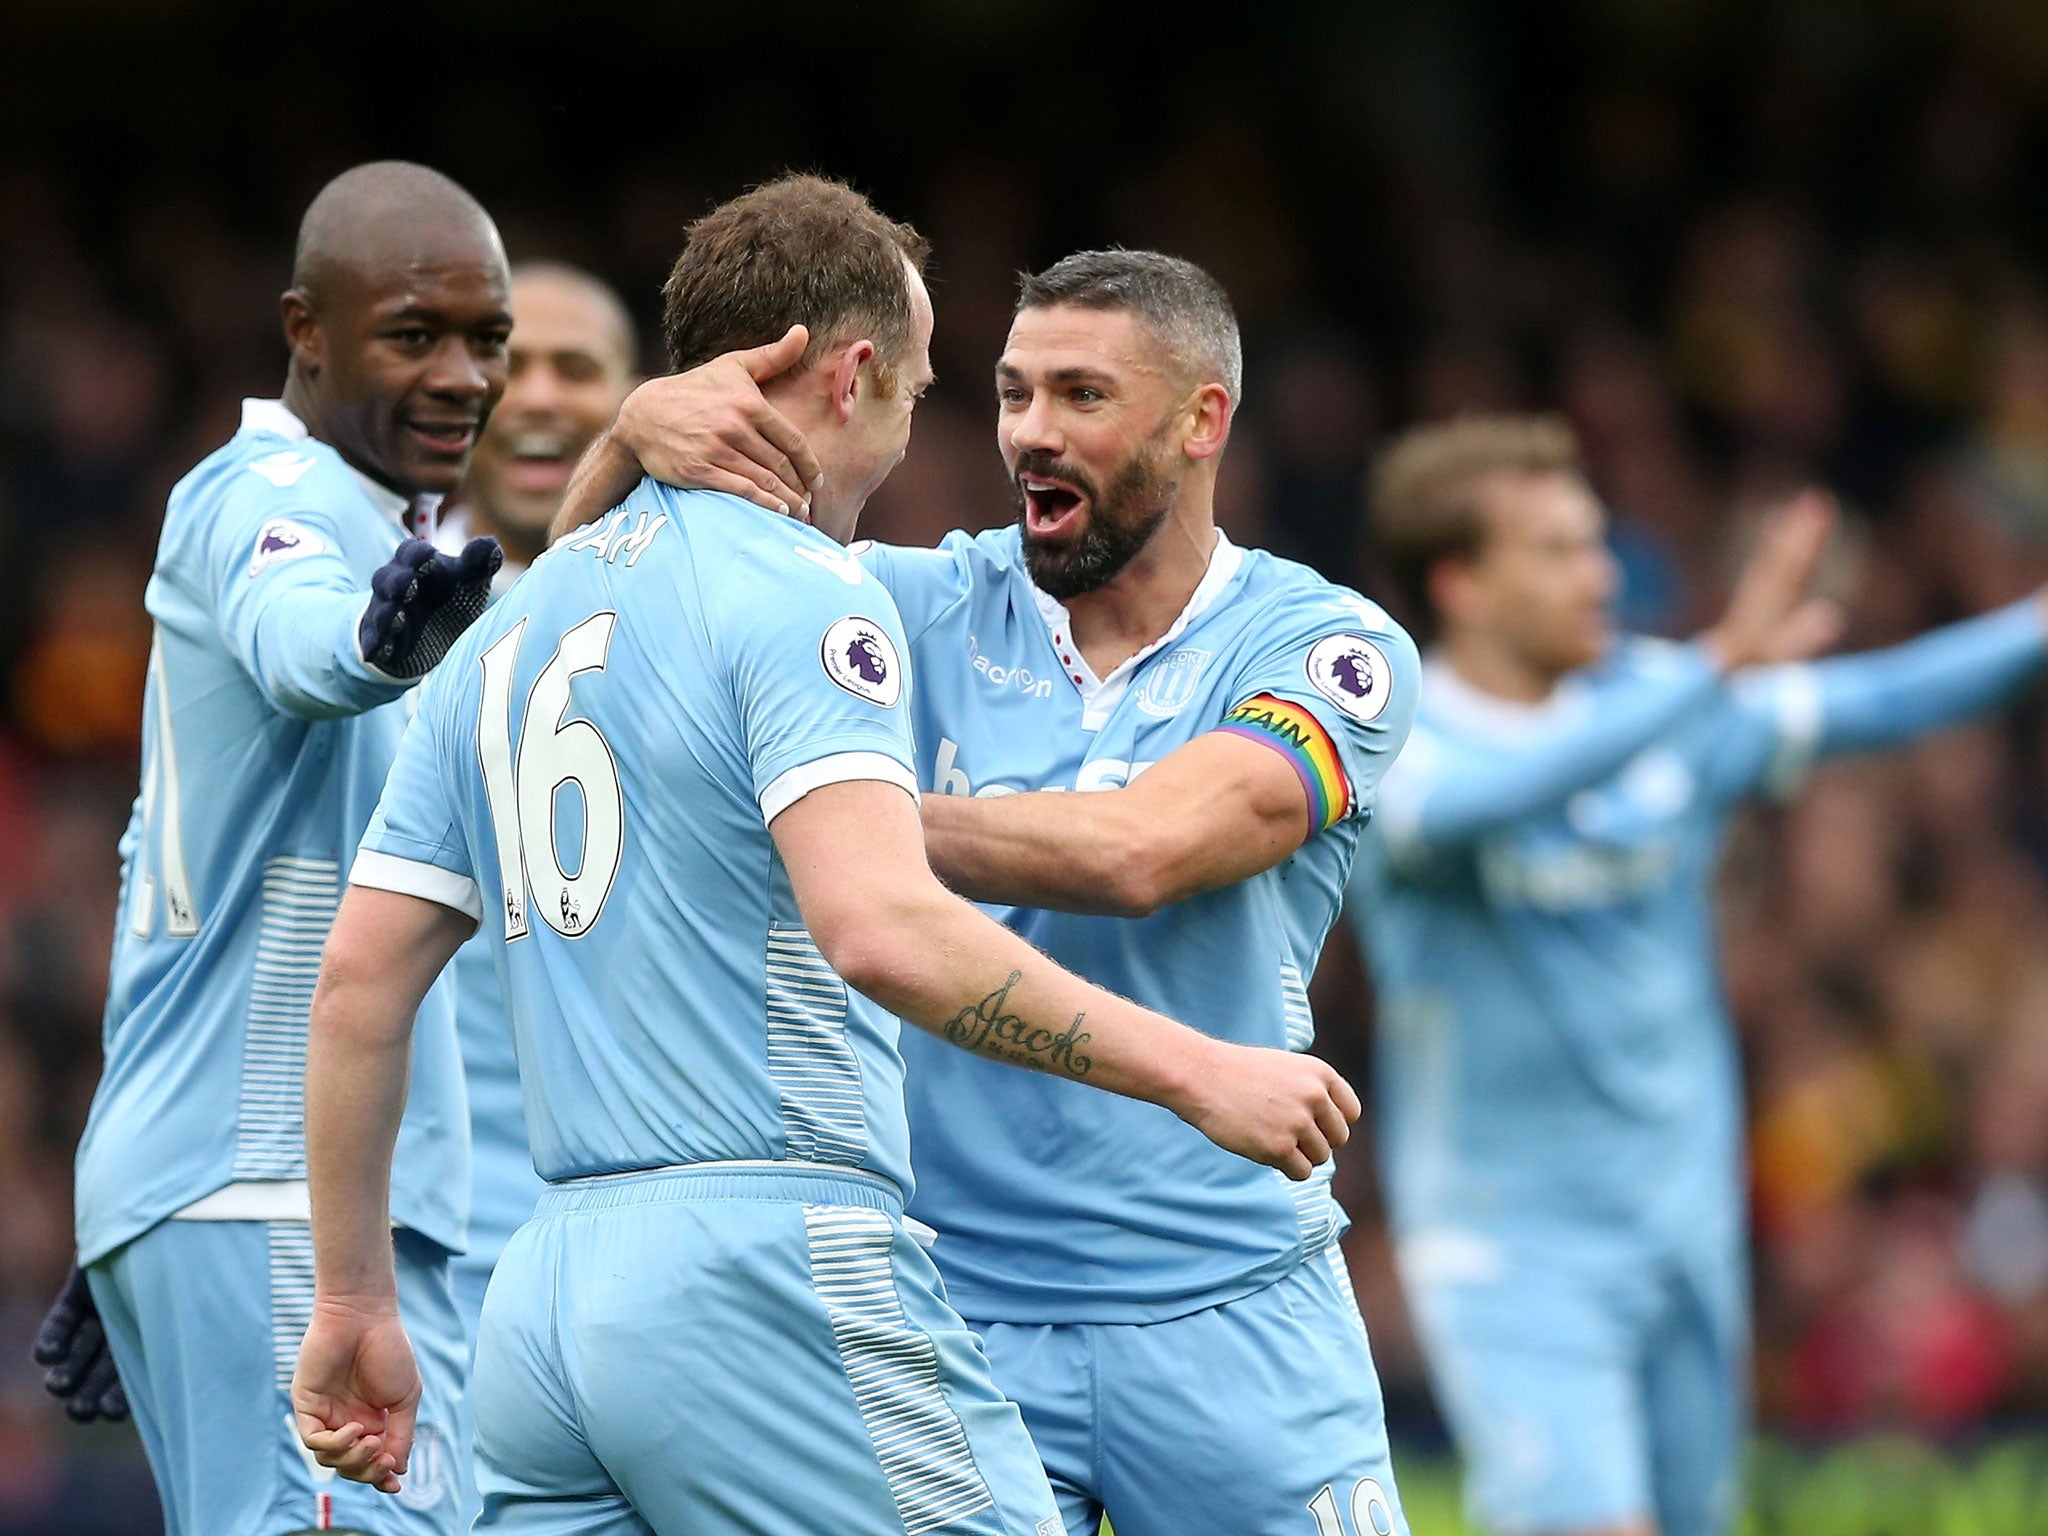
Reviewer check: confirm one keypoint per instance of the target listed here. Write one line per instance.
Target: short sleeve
(1331, 683)
(821, 677)
(1767, 737)
(414, 844)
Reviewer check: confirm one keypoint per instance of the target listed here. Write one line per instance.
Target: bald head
(385, 216)
(397, 319)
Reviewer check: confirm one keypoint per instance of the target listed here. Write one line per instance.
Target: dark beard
(1121, 522)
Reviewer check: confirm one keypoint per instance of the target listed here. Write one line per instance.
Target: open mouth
(538, 461)
(449, 439)
(1052, 508)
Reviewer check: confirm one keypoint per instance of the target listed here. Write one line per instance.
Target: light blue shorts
(1260, 1417)
(734, 1349)
(1587, 1387)
(205, 1319)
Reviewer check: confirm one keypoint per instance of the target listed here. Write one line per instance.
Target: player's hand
(420, 603)
(1772, 615)
(73, 1344)
(1280, 1108)
(356, 1392)
(711, 430)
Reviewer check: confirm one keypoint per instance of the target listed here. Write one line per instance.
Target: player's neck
(300, 400)
(1123, 616)
(1494, 668)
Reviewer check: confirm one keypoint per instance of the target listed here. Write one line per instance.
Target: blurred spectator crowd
(1745, 248)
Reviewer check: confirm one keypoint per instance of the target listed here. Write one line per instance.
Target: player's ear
(846, 374)
(301, 330)
(1209, 413)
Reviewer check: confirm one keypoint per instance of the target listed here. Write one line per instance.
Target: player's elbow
(1141, 873)
(879, 960)
(873, 942)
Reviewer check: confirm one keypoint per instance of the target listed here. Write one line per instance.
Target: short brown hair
(801, 250)
(1424, 499)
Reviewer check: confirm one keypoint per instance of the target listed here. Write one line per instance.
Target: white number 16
(524, 795)
(1372, 1512)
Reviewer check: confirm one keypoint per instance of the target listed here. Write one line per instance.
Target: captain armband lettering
(1299, 737)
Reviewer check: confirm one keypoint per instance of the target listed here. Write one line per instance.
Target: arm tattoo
(985, 1029)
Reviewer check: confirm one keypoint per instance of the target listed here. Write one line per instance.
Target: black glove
(422, 601)
(73, 1344)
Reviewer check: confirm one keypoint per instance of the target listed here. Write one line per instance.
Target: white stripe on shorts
(894, 1370)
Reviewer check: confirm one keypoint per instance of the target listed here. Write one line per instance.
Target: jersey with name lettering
(265, 744)
(1055, 1202)
(592, 772)
(1536, 903)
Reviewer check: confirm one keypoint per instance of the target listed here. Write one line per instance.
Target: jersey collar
(414, 517)
(1454, 701)
(1099, 695)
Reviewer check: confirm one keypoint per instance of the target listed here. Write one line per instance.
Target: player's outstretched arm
(1216, 811)
(357, 1389)
(317, 644)
(855, 856)
(1771, 616)
(1879, 699)
(708, 429)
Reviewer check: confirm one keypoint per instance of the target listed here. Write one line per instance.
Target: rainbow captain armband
(1298, 736)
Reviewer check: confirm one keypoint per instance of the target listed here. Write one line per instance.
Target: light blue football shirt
(592, 772)
(1055, 1202)
(265, 745)
(1554, 1049)
(503, 1185)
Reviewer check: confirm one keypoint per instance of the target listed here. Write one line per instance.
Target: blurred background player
(1559, 1090)
(283, 643)
(1177, 1326)
(717, 1322)
(571, 360)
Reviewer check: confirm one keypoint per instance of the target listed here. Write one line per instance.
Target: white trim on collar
(1450, 698)
(273, 416)
(1100, 695)
(276, 417)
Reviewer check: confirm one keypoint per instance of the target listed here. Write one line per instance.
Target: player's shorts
(1585, 1387)
(205, 1319)
(1260, 1417)
(728, 1349)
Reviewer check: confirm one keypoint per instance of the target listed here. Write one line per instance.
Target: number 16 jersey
(592, 773)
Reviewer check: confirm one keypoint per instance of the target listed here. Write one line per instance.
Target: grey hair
(1184, 306)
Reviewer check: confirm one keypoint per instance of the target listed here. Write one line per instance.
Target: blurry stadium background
(1744, 245)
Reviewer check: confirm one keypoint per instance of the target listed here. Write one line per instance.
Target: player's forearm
(933, 960)
(358, 1055)
(604, 477)
(302, 651)
(1545, 770)
(1064, 852)
(1213, 813)
(382, 954)
(1886, 698)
